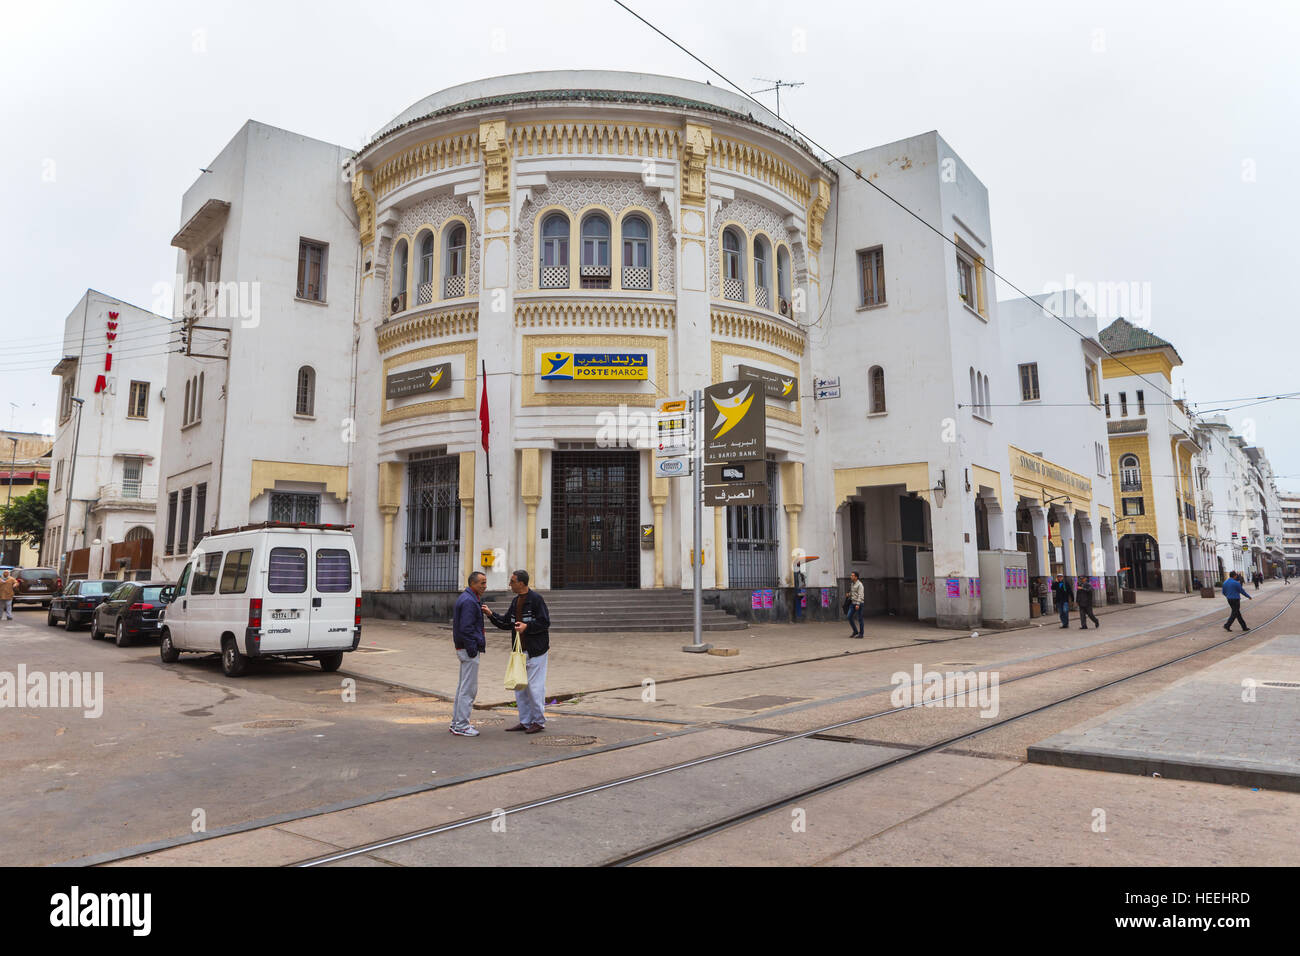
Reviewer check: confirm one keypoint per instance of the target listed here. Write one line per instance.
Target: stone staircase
(619, 610)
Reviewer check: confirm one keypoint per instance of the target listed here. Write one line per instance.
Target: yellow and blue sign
(587, 366)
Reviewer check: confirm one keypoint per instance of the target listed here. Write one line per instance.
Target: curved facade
(647, 228)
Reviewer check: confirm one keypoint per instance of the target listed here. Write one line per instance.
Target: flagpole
(486, 455)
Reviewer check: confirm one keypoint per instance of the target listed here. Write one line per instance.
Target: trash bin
(1128, 596)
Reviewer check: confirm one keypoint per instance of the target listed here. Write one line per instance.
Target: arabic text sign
(673, 429)
(417, 381)
(588, 366)
(784, 387)
(716, 496)
(735, 422)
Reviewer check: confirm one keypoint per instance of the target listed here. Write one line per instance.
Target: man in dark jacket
(467, 634)
(1234, 589)
(1063, 594)
(1084, 599)
(531, 621)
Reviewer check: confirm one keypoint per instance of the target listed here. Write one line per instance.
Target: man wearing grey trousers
(467, 634)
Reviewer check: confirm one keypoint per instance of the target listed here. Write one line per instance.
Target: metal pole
(72, 471)
(9, 497)
(697, 484)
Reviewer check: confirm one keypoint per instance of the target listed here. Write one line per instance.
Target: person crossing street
(1233, 589)
(857, 597)
(1063, 594)
(1084, 599)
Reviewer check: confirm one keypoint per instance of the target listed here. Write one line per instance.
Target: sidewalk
(418, 655)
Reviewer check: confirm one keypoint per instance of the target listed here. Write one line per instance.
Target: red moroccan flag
(483, 411)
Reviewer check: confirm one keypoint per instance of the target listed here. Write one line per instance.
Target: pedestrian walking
(1044, 590)
(1233, 589)
(1259, 579)
(529, 618)
(470, 641)
(8, 585)
(857, 597)
(1063, 594)
(1084, 599)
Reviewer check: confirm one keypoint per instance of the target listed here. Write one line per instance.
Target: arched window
(401, 263)
(595, 251)
(555, 252)
(189, 404)
(424, 291)
(454, 268)
(198, 399)
(139, 533)
(636, 253)
(1130, 474)
(974, 393)
(877, 390)
(783, 280)
(988, 407)
(762, 256)
(733, 266)
(306, 403)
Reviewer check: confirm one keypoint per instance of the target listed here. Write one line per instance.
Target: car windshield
(98, 587)
(38, 575)
(153, 595)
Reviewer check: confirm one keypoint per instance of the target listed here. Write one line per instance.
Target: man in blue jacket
(1233, 591)
(1064, 594)
(467, 634)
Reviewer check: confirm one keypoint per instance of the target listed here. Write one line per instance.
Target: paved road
(180, 744)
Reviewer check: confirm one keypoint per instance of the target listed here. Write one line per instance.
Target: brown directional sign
(751, 472)
(778, 386)
(733, 495)
(417, 381)
(735, 422)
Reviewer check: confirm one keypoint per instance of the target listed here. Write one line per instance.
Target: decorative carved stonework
(495, 149)
(695, 156)
(364, 200)
(817, 214)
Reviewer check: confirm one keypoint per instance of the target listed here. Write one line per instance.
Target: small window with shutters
(333, 571)
(288, 571)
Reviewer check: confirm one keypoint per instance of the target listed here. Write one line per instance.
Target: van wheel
(331, 662)
(166, 650)
(122, 639)
(233, 663)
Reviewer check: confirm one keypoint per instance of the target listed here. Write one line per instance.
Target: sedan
(75, 605)
(132, 611)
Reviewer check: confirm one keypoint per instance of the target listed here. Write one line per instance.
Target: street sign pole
(697, 455)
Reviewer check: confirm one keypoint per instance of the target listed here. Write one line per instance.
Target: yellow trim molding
(533, 344)
(264, 474)
(469, 349)
(915, 476)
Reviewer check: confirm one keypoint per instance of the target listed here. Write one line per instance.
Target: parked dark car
(132, 611)
(37, 586)
(75, 604)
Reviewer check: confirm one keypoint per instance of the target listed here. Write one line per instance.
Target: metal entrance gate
(753, 540)
(595, 502)
(433, 524)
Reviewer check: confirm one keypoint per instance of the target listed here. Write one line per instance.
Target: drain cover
(569, 740)
(272, 724)
(760, 702)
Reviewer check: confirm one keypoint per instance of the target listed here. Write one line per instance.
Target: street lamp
(72, 472)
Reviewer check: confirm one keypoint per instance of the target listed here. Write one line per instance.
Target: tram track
(820, 733)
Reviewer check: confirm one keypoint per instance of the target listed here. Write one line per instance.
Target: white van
(267, 590)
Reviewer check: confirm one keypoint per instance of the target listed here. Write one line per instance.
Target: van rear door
(286, 602)
(334, 592)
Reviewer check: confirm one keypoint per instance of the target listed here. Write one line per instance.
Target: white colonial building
(112, 377)
(555, 254)
(260, 397)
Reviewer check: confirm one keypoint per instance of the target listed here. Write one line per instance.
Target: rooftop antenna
(776, 86)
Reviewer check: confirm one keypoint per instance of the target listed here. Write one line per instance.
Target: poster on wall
(769, 599)
(756, 601)
(953, 587)
(974, 587)
(826, 597)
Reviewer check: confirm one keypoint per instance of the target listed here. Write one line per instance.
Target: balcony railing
(453, 287)
(1130, 484)
(128, 491)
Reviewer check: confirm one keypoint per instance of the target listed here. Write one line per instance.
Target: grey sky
(1153, 144)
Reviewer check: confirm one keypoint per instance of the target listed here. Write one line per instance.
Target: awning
(202, 224)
